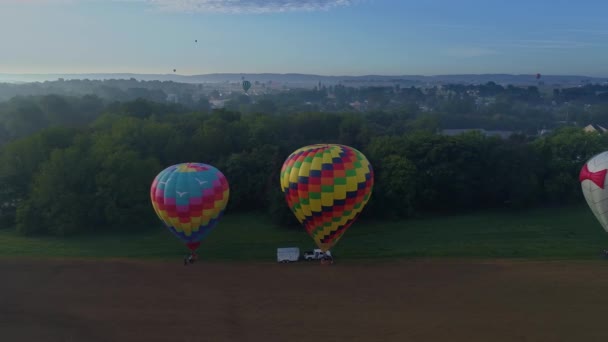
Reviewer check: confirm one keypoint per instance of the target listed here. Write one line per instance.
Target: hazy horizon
(320, 37)
(292, 73)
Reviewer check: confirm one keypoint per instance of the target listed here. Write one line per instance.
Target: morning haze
(303, 170)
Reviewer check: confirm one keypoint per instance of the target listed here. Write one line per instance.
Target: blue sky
(328, 37)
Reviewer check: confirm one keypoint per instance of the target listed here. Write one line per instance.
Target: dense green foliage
(488, 106)
(70, 165)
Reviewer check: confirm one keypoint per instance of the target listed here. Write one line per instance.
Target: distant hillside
(310, 80)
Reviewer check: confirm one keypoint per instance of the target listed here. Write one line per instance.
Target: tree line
(486, 106)
(95, 175)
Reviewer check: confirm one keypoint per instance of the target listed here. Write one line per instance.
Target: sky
(324, 37)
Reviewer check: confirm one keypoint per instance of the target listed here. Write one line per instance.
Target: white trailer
(288, 254)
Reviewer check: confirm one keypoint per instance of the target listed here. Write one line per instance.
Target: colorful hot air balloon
(190, 199)
(246, 85)
(594, 185)
(326, 186)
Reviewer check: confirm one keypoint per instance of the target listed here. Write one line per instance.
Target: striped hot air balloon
(190, 199)
(326, 186)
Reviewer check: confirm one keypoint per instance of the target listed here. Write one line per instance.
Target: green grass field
(564, 233)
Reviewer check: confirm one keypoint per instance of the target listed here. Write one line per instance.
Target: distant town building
(501, 134)
(356, 105)
(591, 128)
(172, 98)
(216, 104)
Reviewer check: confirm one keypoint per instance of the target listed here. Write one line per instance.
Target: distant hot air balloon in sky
(595, 187)
(326, 186)
(196, 40)
(537, 76)
(190, 199)
(174, 70)
(246, 85)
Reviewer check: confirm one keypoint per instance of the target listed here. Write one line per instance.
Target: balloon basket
(190, 259)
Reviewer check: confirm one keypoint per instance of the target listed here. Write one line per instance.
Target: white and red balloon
(595, 187)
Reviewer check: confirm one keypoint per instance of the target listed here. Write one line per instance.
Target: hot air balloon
(190, 199)
(246, 85)
(174, 70)
(595, 187)
(326, 186)
(537, 76)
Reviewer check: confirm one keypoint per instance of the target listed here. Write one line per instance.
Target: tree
(563, 154)
(20, 162)
(264, 105)
(251, 175)
(395, 190)
(123, 182)
(352, 131)
(63, 195)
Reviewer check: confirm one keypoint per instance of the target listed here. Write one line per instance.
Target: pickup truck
(316, 254)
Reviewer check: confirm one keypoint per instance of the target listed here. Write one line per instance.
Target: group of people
(190, 259)
(327, 259)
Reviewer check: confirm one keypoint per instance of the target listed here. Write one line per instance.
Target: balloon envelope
(594, 185)
(246, 85)
(326, 187)
(190, 199)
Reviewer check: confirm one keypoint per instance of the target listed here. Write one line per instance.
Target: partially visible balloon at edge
(595, 187)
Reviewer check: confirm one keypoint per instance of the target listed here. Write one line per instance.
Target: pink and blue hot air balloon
(190, 199)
